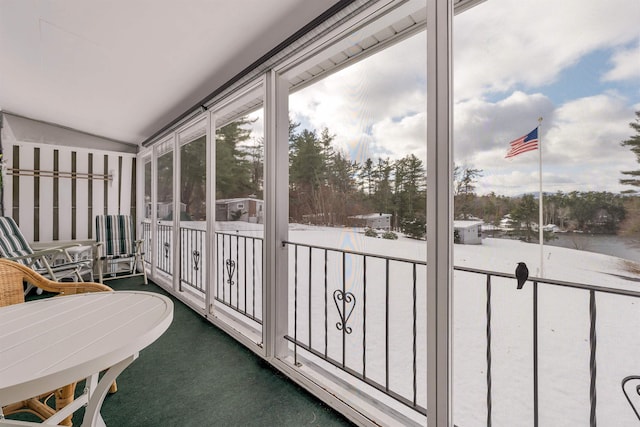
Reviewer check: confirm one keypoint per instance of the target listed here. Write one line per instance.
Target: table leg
(97, 393)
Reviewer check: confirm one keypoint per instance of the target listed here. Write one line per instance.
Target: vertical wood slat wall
(61, 208)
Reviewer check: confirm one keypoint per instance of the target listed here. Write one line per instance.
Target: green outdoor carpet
(196, 375)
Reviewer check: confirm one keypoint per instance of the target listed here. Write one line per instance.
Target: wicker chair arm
(72, 288)
(63, 288)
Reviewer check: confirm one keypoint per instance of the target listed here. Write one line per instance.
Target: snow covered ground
(563, 324)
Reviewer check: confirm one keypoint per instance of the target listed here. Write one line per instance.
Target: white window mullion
(177, 249)
(439, 213)
(275, 299)
(153, 247)
(211, 216)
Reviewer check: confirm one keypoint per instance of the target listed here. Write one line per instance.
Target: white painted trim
(327, 396)
(57, 135)
(210, 243)
(276, 259)
(140, 202)
(439, 213)
(349, 33)
(192, 124)
(189, 302)
(236, 100)
(175, 230)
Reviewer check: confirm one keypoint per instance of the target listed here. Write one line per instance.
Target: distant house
(468, 232)
(551, 228)
(246, 209)
(378, 221)
(165, 210)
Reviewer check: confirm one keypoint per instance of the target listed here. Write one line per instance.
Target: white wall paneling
(54, 197)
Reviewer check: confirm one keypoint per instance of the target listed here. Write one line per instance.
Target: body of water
(627, 247)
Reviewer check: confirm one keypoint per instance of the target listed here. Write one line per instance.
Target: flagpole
(541, 213)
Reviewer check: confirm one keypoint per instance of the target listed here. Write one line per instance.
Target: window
(357, 156)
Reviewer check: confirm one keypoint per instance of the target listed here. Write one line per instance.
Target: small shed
(468, 232)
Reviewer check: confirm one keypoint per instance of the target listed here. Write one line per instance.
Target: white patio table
(48, 343)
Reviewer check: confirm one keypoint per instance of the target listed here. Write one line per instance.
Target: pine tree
(233, 170)
(310, 161)
(524, 216)
(634, 145)
(383, 193)
(193, 173)
(465, 180)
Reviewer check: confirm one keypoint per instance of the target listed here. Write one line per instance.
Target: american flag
(529, 142)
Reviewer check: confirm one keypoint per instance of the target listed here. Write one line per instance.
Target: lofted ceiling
(123, 69)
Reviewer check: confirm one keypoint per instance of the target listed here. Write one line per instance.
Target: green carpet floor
(196, 375)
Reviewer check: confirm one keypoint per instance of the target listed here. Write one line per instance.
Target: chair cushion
(116, 234)
(13, 243)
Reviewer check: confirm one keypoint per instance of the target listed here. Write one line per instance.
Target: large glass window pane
(147, 188)
(146, 222)
(193, 165)
(357, 196)
(164, 207)
(239, 215)
(532, 353)
(193, 183)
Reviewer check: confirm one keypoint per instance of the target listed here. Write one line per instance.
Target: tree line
(326, 187)
(586, 211)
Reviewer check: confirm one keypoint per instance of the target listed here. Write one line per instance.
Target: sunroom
(243, 136)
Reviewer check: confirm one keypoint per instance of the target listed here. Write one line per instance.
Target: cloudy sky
(574, 63)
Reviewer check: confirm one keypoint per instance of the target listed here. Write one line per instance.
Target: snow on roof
(372, 215)
(237, 199)
(465, 224)
(490, 227)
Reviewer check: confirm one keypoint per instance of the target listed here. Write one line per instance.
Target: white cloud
(589, 130)
(507, 54)
(374, 95)
(504, 44)
(626, 64)
(480, 125)
(398, 138)
(580, 140)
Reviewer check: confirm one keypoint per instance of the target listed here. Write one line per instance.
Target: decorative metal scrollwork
(196, 259)
(231, 268)
(166, 249)
(631, 390)
(347, 301)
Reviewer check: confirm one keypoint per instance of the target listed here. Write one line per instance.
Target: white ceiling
(123, 69)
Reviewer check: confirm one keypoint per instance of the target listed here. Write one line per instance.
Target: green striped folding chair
(116, 245)
(54, 263)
